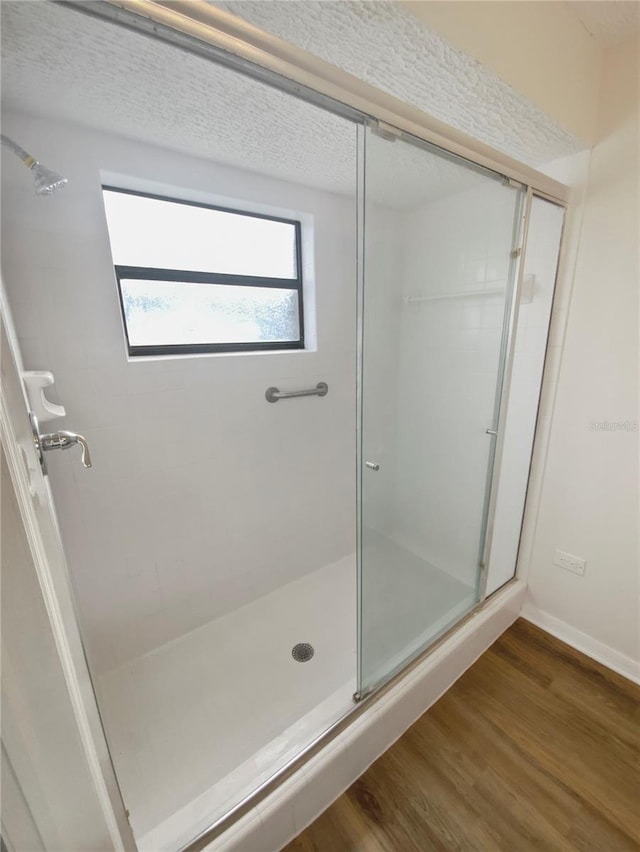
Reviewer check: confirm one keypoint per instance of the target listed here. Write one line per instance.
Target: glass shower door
(437, 241)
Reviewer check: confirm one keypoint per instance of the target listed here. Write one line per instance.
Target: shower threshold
(177, 831)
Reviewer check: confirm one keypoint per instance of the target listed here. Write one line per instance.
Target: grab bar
(273, 394)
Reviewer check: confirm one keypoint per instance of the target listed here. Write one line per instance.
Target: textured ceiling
(610, 22)
(59, 63)
(385, 45)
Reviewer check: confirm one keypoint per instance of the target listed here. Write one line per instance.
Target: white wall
(448, 370)
(589, 497)
(202, 496)
(541, 49)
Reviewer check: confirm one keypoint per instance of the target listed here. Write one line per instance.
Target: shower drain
(302, 652)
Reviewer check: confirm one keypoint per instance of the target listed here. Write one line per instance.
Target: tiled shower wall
(448, 366)
(446, 361)
(202, 496)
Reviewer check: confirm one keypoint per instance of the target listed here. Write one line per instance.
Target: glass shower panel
(438, 236)
(540, 266)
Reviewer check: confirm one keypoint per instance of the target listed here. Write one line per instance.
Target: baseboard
(598, 651)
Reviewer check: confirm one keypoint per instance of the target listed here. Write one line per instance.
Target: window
(197, 278)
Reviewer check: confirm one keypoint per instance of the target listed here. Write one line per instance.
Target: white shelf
(462, 294)
(526, 295)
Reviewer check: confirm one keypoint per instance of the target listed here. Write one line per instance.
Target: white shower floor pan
(197, 724)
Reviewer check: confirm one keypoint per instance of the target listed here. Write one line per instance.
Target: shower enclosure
(267, 536)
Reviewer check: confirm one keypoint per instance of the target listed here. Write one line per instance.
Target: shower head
(45, 180)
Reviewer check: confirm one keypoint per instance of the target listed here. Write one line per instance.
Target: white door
(59, 789)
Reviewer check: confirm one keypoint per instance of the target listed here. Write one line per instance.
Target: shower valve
(63, 441)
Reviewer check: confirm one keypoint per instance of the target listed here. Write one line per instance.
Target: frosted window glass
(151, 232)
(177, 313)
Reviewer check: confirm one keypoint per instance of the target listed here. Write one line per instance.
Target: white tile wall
(202, 496)
(431, 370)
(447, 376)
(448, 369)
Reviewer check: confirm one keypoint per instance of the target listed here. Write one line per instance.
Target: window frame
(151, 273)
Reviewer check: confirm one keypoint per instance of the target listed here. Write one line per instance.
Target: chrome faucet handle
(63, 441)
(85, 458)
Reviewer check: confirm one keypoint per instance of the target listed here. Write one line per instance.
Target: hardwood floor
(535, 747)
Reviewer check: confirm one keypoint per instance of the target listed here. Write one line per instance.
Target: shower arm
(29, 161)
(46, 180)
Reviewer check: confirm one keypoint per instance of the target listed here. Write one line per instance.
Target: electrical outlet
(569, 562)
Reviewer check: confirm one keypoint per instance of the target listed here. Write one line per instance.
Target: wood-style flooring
(535, 747)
